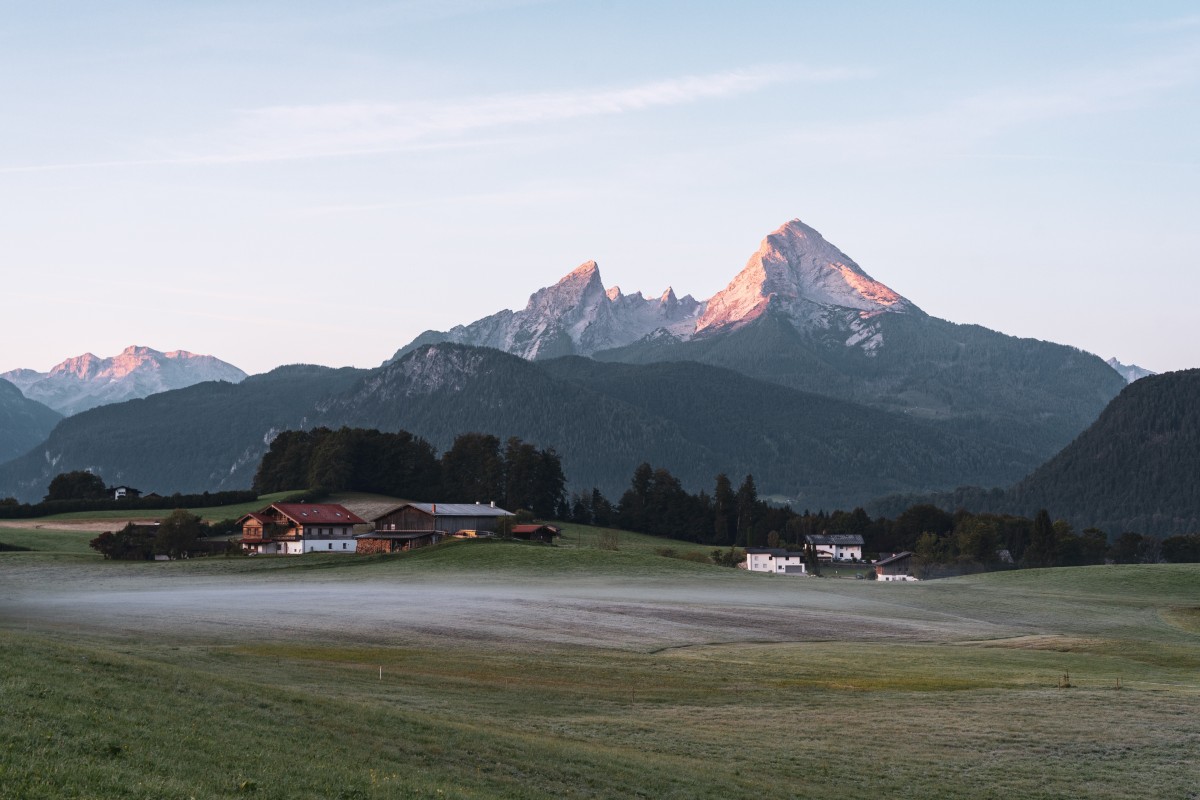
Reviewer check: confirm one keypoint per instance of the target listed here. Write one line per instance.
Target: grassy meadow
(483, 669)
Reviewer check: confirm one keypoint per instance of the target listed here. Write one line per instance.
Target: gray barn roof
(450, 510)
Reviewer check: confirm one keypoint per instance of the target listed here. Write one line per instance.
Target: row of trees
(176, 537)
(943, 543)
(477, 467)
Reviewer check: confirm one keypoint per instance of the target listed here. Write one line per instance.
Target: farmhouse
(775, 560)
(896, 567)
(124, 492)
(837, 546)
(295, 528)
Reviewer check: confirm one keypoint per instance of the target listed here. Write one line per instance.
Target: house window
(343, 545)
(331, 545)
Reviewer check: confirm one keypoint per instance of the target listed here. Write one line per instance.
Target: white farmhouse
(837, 546)
(775, 560)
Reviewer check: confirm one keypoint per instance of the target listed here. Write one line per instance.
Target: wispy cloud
(345, 129)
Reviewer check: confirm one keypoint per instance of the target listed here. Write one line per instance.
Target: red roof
(318, 513)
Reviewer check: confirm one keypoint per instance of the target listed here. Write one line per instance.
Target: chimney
(493, 504)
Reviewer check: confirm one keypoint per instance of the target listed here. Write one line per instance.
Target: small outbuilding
(536, 533)
(395, 541)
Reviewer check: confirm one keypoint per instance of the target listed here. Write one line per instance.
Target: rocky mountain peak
(796, 269)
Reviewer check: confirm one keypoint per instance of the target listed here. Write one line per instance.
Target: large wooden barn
(412, 525)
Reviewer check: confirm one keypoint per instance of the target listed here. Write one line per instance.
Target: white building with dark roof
(837, 546)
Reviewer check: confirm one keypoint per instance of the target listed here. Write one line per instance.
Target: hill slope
(207, 437)
(24, 423)
(1134, 469)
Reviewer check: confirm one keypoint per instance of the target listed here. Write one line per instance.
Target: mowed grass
(89, 714)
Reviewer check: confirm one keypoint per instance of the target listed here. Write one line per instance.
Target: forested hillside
(1137, 468)
(24, 423)
(1133, 470)
(1026, 394)
(207, 437)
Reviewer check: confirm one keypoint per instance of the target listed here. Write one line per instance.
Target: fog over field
(631, 615)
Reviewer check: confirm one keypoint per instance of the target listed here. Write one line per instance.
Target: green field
(494, 669)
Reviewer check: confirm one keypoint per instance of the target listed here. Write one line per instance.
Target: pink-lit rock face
(796, 268)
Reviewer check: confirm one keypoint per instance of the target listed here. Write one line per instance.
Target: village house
(896, 567)
(124, 492)
(412, 525)
(837, 546)
(775, 560)
(295, 528)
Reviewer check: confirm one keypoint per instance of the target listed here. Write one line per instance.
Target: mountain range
(803, 314)
(602, 418)
(825, 383)
(87, 381)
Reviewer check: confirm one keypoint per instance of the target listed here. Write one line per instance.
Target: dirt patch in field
(91, 526)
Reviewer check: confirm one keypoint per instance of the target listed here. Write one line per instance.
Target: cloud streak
(284, 133)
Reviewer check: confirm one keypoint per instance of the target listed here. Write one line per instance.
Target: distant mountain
(602, 418)
(1134, 469)
(88, 381)
(1130, 372)
(24, 423)
(804, 315)
(207, 437)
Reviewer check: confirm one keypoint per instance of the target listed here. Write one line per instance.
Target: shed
(896, 567)
(536, 533)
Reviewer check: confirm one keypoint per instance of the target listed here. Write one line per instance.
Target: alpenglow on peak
(796, 268)
(794, 271)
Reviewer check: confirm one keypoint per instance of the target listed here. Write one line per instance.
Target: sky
(285, 182)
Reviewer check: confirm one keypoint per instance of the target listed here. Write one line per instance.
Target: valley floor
(491, 669)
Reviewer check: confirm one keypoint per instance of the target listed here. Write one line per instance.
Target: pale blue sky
(288, 181)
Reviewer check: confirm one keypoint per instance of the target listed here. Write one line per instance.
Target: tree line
(82, 490)
(943, 543)
(477, 467)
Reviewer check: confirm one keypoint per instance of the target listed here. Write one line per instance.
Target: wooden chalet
(295, 528)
